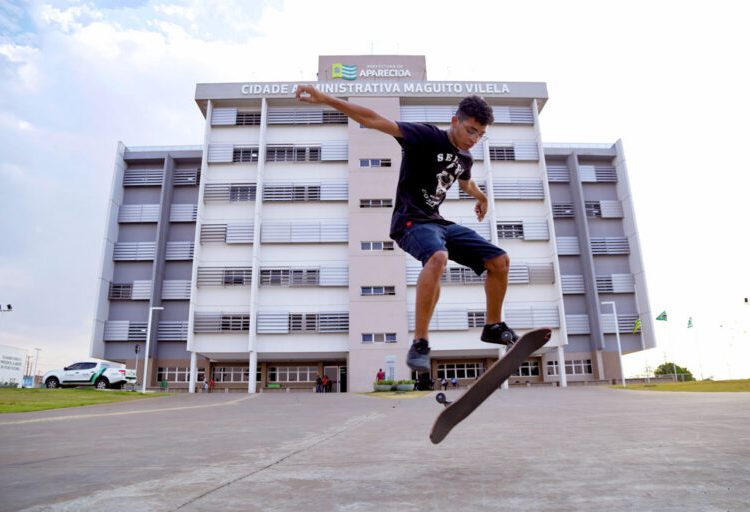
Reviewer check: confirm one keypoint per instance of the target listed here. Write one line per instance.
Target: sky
(669, 78)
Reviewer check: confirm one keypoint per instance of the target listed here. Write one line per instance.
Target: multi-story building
(268, 247)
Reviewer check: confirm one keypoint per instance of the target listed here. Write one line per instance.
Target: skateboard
(455, 412)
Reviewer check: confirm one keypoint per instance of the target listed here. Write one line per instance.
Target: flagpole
(700, 361)
(663, 317)
(674, 353)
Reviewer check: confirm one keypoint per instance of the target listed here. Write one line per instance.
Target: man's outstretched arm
(470, 187)
(362, 115)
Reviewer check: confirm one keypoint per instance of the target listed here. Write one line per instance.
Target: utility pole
(36, 365)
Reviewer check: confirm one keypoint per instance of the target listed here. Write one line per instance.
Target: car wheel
(101, 383)
(52, 383)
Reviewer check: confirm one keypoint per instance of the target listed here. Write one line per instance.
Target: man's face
(466, 132)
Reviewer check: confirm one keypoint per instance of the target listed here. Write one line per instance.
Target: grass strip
(14, 400)
(700, 386)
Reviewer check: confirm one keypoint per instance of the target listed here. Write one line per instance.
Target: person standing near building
(380, 375)
(432, 160)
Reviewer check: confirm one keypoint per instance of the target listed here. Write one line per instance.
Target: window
(245, 155)
(476, 318)
(235, 322)
(289, 277)
(291, 193)
(468, 370)
(237, 276)
(527, 369)
(378, 290)
(578, 367)
(292, 373)
(248, 119)
(460, 275)
(231, 374)
(178, 374)
(553, 368)
(563, 210)
(334, 117)
(385, 245)
(376, 203)
(374, 162)
(242, 193)
(120, 291)
(502, 153)
(379, 337)
(301, 322)
(292, 154)
(510, 231)
(593, 209)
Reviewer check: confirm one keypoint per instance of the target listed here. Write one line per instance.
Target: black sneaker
(418, 357)
(499, 333)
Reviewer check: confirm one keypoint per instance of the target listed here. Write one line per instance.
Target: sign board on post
(12, 360)
(390, 367)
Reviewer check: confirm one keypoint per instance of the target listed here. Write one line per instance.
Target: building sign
(371, 67)
(386, 88)
(339, 70)
(12, 362)
(352, 72)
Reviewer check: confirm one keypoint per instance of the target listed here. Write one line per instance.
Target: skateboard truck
(440, 397)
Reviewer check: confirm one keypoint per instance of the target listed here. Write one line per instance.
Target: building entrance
(337, 375)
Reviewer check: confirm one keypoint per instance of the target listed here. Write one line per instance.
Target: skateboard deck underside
(488, 383)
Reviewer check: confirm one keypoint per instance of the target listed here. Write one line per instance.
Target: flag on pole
(690, 322)
(663, 316)
(637, 325)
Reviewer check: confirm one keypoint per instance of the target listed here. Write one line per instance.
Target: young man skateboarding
(432, 159)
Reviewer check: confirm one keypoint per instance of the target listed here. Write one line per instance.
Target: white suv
(99, 375)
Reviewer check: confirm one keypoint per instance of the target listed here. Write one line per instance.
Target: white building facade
(270, 252)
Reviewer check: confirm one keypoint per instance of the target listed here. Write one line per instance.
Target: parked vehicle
(101, 375)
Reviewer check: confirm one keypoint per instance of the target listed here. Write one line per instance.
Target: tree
(671, 369)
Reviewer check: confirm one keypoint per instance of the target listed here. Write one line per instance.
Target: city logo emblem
(347, 72)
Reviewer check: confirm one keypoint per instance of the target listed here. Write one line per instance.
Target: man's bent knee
(438, 261)
(499, 264)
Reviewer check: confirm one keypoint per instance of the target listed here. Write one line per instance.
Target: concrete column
(257, 226)
(561, 366)
(193, 372)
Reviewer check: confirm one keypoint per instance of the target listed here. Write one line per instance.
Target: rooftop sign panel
(374, 88)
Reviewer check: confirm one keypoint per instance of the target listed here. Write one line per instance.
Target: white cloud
(67, 20)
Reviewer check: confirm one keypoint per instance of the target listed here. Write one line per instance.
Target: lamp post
(617, 335)
(137, 350)
(148, 343)
(36, 364)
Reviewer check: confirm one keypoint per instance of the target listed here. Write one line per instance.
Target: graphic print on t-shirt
(445, 178)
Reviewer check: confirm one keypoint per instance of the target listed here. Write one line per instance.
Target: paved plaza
(525, 449)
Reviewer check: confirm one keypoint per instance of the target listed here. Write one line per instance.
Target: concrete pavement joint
(348, 425)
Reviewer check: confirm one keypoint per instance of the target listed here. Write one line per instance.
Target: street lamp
(617, 335)
(148, 342)
(36, 363)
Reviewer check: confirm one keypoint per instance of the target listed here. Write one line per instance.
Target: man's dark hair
(476, 107)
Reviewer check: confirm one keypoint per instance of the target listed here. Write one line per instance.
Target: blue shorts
(464, 245)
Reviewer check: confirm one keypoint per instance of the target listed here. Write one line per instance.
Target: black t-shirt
(429, 166)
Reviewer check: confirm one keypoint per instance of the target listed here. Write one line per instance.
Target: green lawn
(703, 386)
(27, 400)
